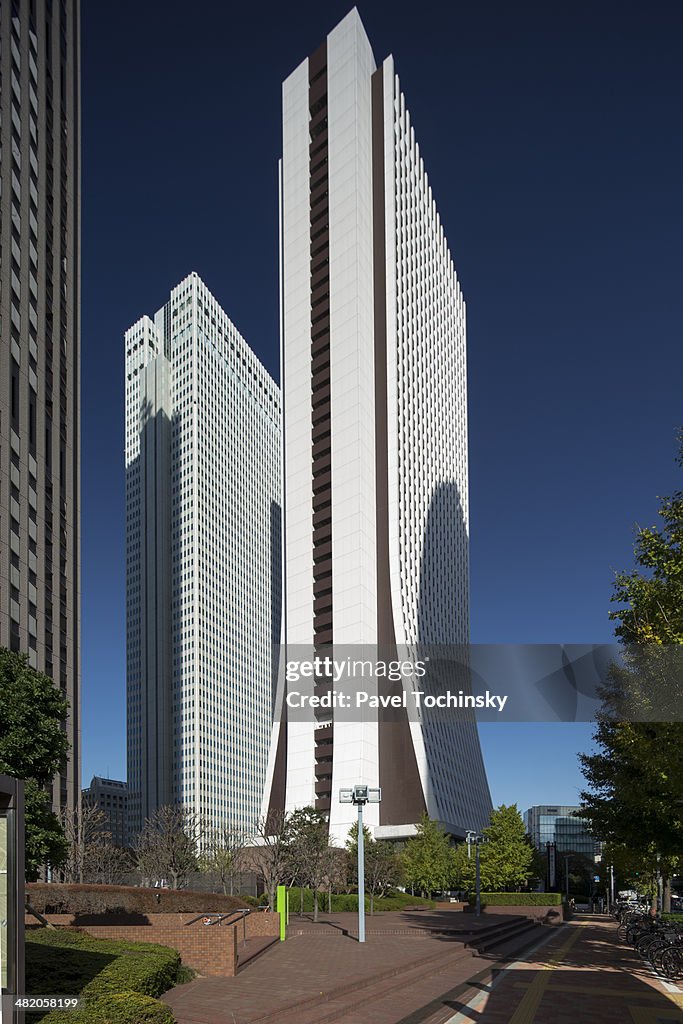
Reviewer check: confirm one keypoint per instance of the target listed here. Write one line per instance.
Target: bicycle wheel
(643, 943)
(671, 963)
(656, 952)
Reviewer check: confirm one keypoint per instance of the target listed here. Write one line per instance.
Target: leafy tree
(44, 840)
(506, 857)
(635, 778)
(429, 860)
(633, 870)
(167, 846)
(352, 848)
(654, 598)
(309, 850)
(33, 747)
(507, 853)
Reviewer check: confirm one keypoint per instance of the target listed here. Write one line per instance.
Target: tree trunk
(329, 900)
(372, 903)
(315, 904)
(666, 903)
(301, 901)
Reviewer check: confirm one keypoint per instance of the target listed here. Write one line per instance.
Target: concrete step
(337, 1002)
(420, 994)
(513, 944)
(498, 932)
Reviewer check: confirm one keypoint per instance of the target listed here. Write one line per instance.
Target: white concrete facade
(426, 509)
(203, 465)
(427, 450)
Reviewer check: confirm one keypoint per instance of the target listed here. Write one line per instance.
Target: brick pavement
(581, 976)
(322, 973)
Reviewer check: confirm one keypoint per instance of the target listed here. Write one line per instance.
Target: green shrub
(149, 971)
(519, 899)
(348, 902)
(117, 966)
(119, 1008)
(102, 972)
(672, 917)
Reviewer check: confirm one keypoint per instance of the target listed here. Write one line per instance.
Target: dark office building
(39, 348)
(111, 798)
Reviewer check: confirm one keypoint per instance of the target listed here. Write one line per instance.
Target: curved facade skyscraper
(376, 517)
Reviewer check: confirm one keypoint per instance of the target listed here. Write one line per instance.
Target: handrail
(219, 918)
(28, 909)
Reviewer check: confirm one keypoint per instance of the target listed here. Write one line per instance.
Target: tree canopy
(309, 850)
(505, 855)
(33, 747)
(634, 779)
(428, 860)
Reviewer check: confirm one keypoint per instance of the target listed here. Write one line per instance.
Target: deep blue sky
(551, 134)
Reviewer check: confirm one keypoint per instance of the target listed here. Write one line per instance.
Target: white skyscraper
(203, 554)
(375, 437)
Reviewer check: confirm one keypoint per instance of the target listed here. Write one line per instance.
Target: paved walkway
(416, 969)
(322, 969)
(582, 975)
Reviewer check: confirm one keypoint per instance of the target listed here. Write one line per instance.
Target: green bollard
(282, 910)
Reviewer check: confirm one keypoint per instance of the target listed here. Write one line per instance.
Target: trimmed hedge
(519, 899)
(121, 1008)
(106, 973)
(672, 917)
(256, 901)
(345, 902)
(58, 898)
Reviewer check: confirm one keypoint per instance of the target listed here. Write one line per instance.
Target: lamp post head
(360, 795)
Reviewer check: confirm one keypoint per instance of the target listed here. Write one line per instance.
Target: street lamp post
(611, 883)
(477, 840)
(566, 876)
(360, 795)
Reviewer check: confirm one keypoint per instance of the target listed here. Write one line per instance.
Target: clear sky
(550, 132)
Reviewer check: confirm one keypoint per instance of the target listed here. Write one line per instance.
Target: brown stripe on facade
(321, 434)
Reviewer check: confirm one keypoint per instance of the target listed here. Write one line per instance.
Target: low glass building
(556, 824)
